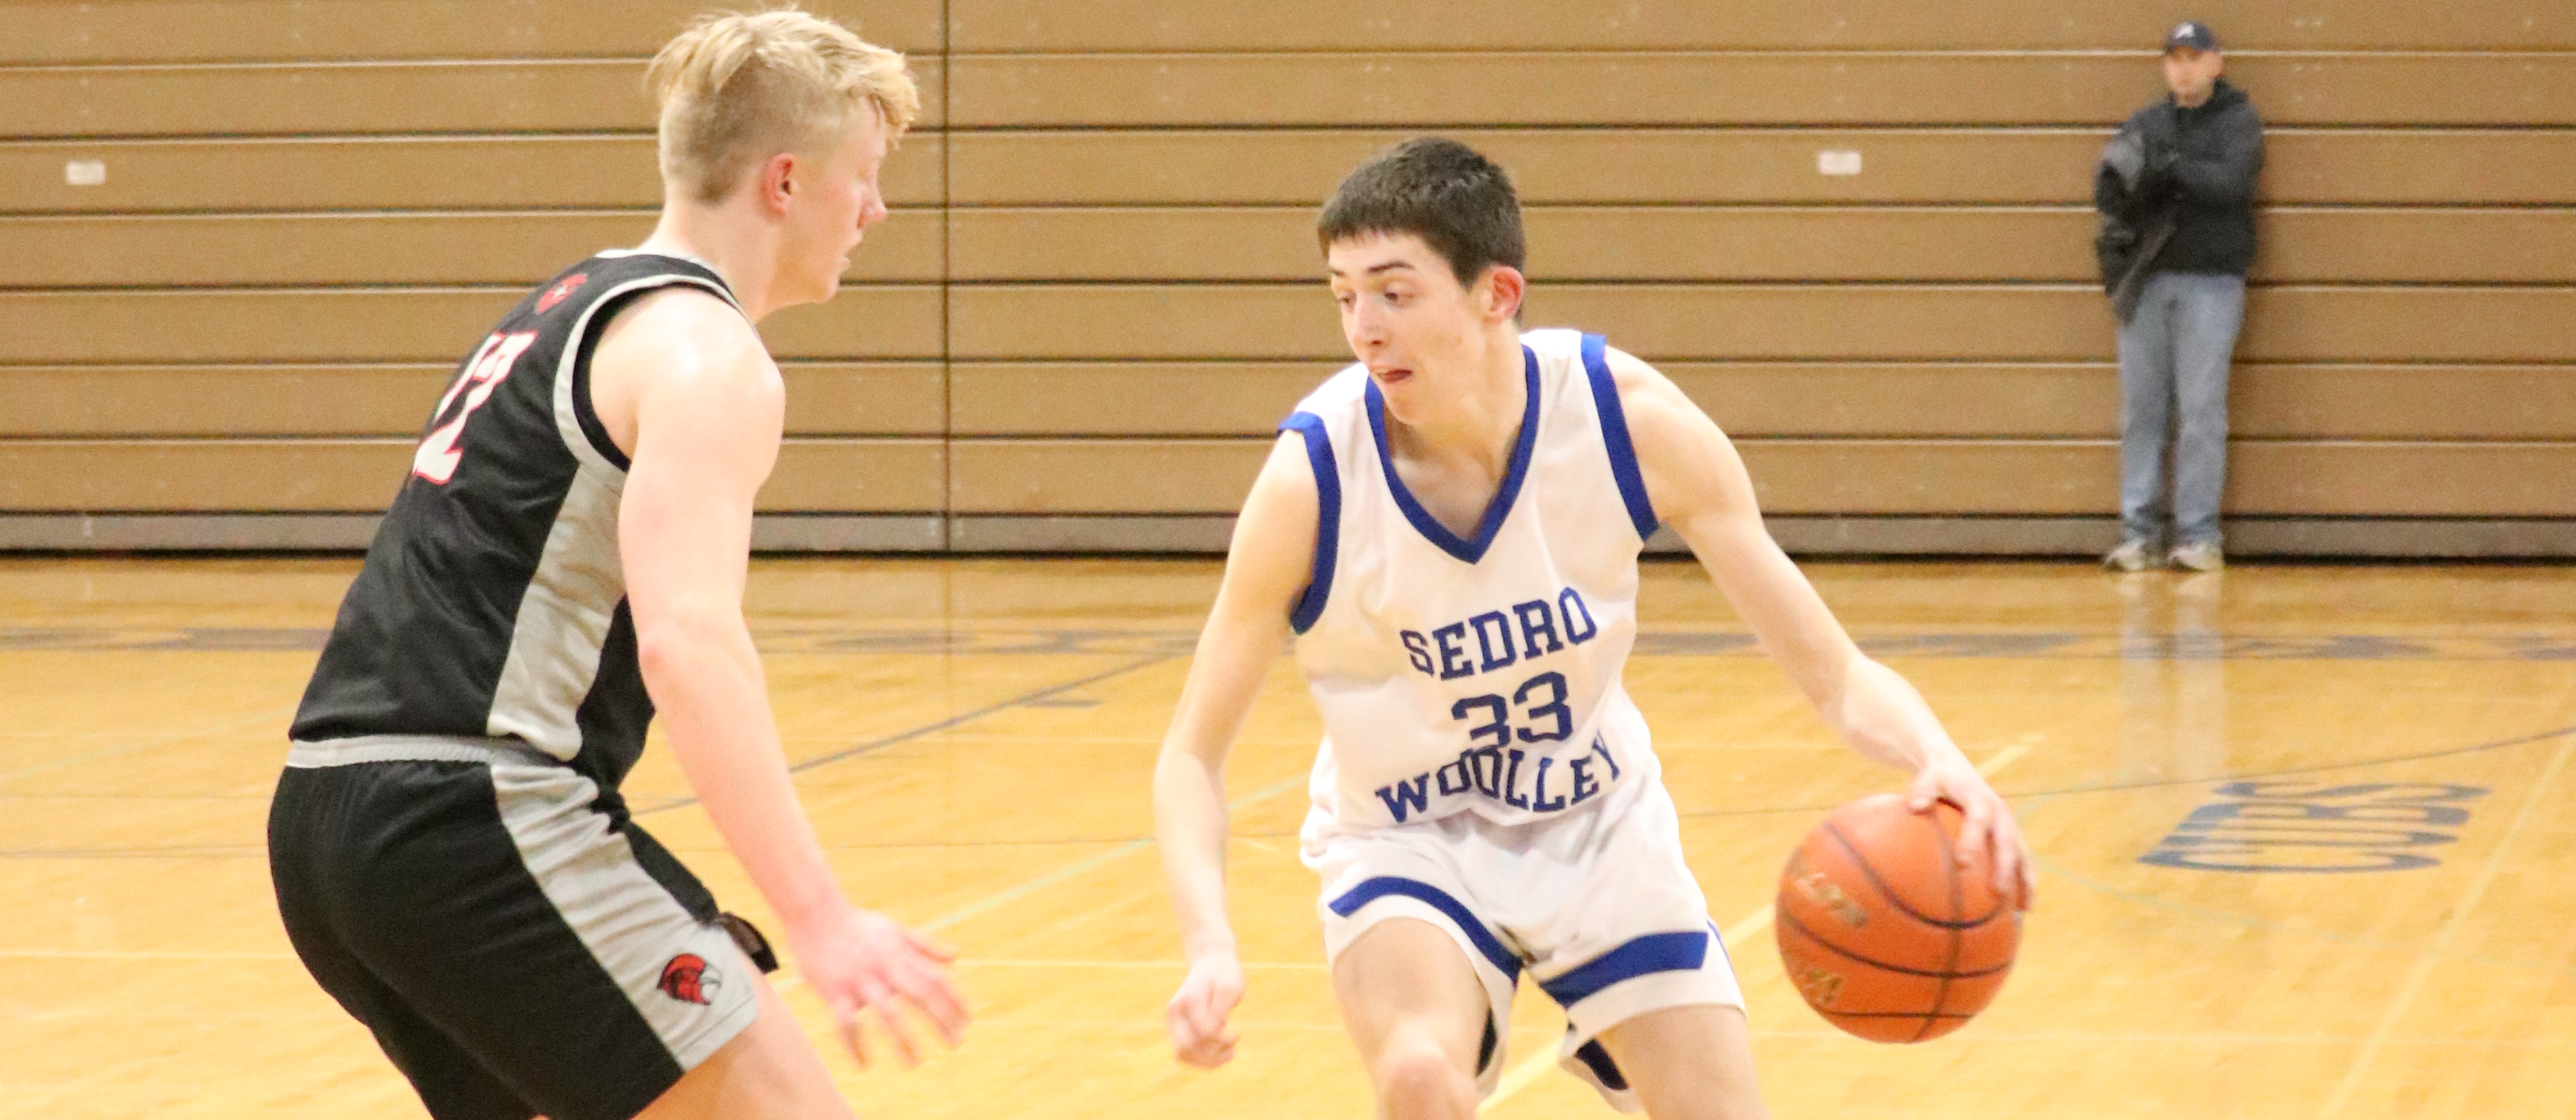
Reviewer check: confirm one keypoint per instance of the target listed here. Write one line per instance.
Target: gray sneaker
(2131, 556)
(2199, 556)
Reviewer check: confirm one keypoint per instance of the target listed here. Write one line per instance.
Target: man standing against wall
(2203, 147)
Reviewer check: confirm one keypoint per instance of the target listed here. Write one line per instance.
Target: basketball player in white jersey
(1450, 530)
(451, 856)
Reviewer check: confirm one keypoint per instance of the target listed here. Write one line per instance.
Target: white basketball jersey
(1476, 674)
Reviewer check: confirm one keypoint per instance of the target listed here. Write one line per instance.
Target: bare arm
(1267, 568)
(681, 380)
(1698, 484)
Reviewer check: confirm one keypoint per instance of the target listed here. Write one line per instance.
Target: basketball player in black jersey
(452, 858)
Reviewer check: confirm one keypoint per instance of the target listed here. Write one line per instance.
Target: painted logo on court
(690, 979)
(2315, 828)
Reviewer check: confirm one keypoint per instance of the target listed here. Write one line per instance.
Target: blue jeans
(2175, 351)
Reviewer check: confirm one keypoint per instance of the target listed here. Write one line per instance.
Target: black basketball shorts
(516, 944)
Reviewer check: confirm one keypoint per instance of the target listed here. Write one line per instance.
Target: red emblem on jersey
(688, 978)
(555, 295)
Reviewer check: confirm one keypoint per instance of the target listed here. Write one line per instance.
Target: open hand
(861, 962)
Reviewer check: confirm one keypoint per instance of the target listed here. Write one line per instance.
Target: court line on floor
(225, 728)
(1025, 888)
(2425, 964)
(1742, 930)
(1012, 894)
(901, 737)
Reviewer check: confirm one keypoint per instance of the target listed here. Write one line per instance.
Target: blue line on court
(901, 737)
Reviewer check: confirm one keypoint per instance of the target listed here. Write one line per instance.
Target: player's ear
(1499, 292)
(776, 182)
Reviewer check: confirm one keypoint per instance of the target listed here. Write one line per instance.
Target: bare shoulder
(1272, 556)
(1659, 414)
(685, 331)
(685, 341)
(1286, 500)
(1691, 470)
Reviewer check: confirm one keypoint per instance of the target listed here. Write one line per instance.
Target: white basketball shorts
(1597, 906)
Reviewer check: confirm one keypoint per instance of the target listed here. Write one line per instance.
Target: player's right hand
(862, 962)
(1196, 1015)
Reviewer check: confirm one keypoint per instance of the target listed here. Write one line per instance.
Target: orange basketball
(1887, 935)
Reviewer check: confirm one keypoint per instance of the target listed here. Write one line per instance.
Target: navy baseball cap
(2193, 34)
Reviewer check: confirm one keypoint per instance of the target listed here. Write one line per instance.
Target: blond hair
(736, 89)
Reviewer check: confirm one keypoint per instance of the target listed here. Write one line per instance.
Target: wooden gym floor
(2307, 834)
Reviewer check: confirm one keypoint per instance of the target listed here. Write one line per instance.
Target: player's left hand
(1987, 823)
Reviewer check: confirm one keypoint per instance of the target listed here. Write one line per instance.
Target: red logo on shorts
(688, 978)
(556, 294)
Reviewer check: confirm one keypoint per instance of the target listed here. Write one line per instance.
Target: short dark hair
(1458, 202)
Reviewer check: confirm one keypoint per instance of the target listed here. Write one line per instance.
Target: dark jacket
(2199, 166)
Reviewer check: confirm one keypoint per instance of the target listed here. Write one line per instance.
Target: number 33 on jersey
(1476, 673)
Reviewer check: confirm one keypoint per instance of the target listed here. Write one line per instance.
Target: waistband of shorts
(414, 748)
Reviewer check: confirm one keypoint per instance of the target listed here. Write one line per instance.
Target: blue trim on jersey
(1374, 889)
(1496, 511)
(1328, 517)
(1614, 435)
(1683, 951)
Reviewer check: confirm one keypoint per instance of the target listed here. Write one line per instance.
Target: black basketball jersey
(493, 604)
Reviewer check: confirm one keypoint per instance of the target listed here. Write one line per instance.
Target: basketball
(1885, 934)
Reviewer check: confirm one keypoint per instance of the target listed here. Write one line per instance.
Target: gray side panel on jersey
(572, 597)
(563, 622)
(630, 924)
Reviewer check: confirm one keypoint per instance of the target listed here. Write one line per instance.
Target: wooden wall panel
(51, 31)
(1154, 25)
(362, 248)
(1295, 168)
(1934, 476)
(266, 400)
(1567, 243)
(2392, 324)
(2082, 477)
(858, 476)
(312, 209)
(1751, 400)
(2416, 245)
(1126, 244)
(1102, 476)
(2403, 402)
(376, 173)
(2037, 400)
(823, 398)
(2403, 479)
(1456, 90)
(2418, 166)
(1748, 399)
(1851, 476)
(1177, 322)
(2069, 400)
(1128, 398)
(555, 95)
(2053, 323)
(1919, 243)
(865, 398)
(1877, 322)
(419, 325)
(1210, 476)
(305, 476)
(1726, 165)
(357, 476)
